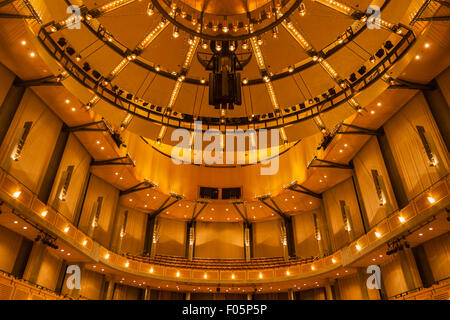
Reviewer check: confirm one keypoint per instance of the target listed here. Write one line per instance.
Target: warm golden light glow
(431, 199)
(402, 219)
(66, 229)
(377, 234)
(107, 256)
(17, 194)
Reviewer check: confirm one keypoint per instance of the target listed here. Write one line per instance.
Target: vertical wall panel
(133, 242)
(74, 155)
(392, 277)
(99, 188)
(49, 271)
(408, 150)
(266, 239)
(39, 145)
(304, 233)
(91, 284)
(219, 240)
(343, 191)
(349, 288)
(6, 80)
(9, 248)
(438, 255)
(369, 158)
(172, 239)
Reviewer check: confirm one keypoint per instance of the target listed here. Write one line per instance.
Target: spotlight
(302, 106)
(129, 96)
(70, 51)
(96, 74)
(362, 70)
(332, 91)
(353, 77)
(317, 99)
(372, 59)
(86, 67)
(380, 53)
(388, 45)
(62, 42)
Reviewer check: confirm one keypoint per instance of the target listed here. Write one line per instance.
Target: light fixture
(178, 274)
(431, 199)
(377, 234)
(260, 275)
(205, 276)
(127, 264)
(32, 54)
(333, 260)
(417, 57)
(151, 270)
(44, 213)
(402, 219)
(17, 194)
(84, 243)
(23, 42)
(66, 229)
(358, 247)
(427, 45)
(107, 256)
(313, 268)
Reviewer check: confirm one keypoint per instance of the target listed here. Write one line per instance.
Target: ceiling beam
(441, 18)
(320, 163)
(195, 214)
(274, 207)
(122, 161)
(166, 205)
(139, 187)
(6, 2)
(357, 130)
(45, 81)
(242, 214)
(14, 16)
(301, 189)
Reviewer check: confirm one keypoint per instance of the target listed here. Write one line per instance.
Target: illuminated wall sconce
(151, 270)
(401, 219)
(431, 199)
(380, 187)
(428, 145)
(313, 268)
(345, 210)
(85, 243)
(358, 247)
(20, 140)
(377, 234)
(178, 274)
(64, 183)
(107, 256)
(124, 224)
(333, 260)
(260, 275)
(44, 213)
(127, 264)
(288, 273)
(66, 229)
(232, 276)
(205, 276)
(95, 215)
(316, 228)
(17, 194)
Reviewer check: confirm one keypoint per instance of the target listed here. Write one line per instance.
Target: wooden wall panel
(91, 284)
(37, 151)
(392, 277)
(304, 234)
(9, 248)
(74, 155)
(438, 255)
(443, 81)
(266, 239)
(407, 148)
(99, 188)
(219, 240)
(49, 271)
(172, 239)
(343, 191)
(133, 242)
(369, 158)
(6, 80)
(349, 288)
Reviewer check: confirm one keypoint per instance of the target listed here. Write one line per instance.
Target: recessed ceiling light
(372, 112)
(32, 54)
(67, 101)
(25, 228)
(23, 42)
(16, 222)
(379, 104)
(431, 229)
(420, 234)
(417, 57)
(427, 45)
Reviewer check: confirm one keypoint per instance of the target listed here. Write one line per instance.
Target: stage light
(362, 70)
(380, 53)
(353, 77)
(70, 51)
(62, 42)
(388, 45)
(96, 74)
(86, 67)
